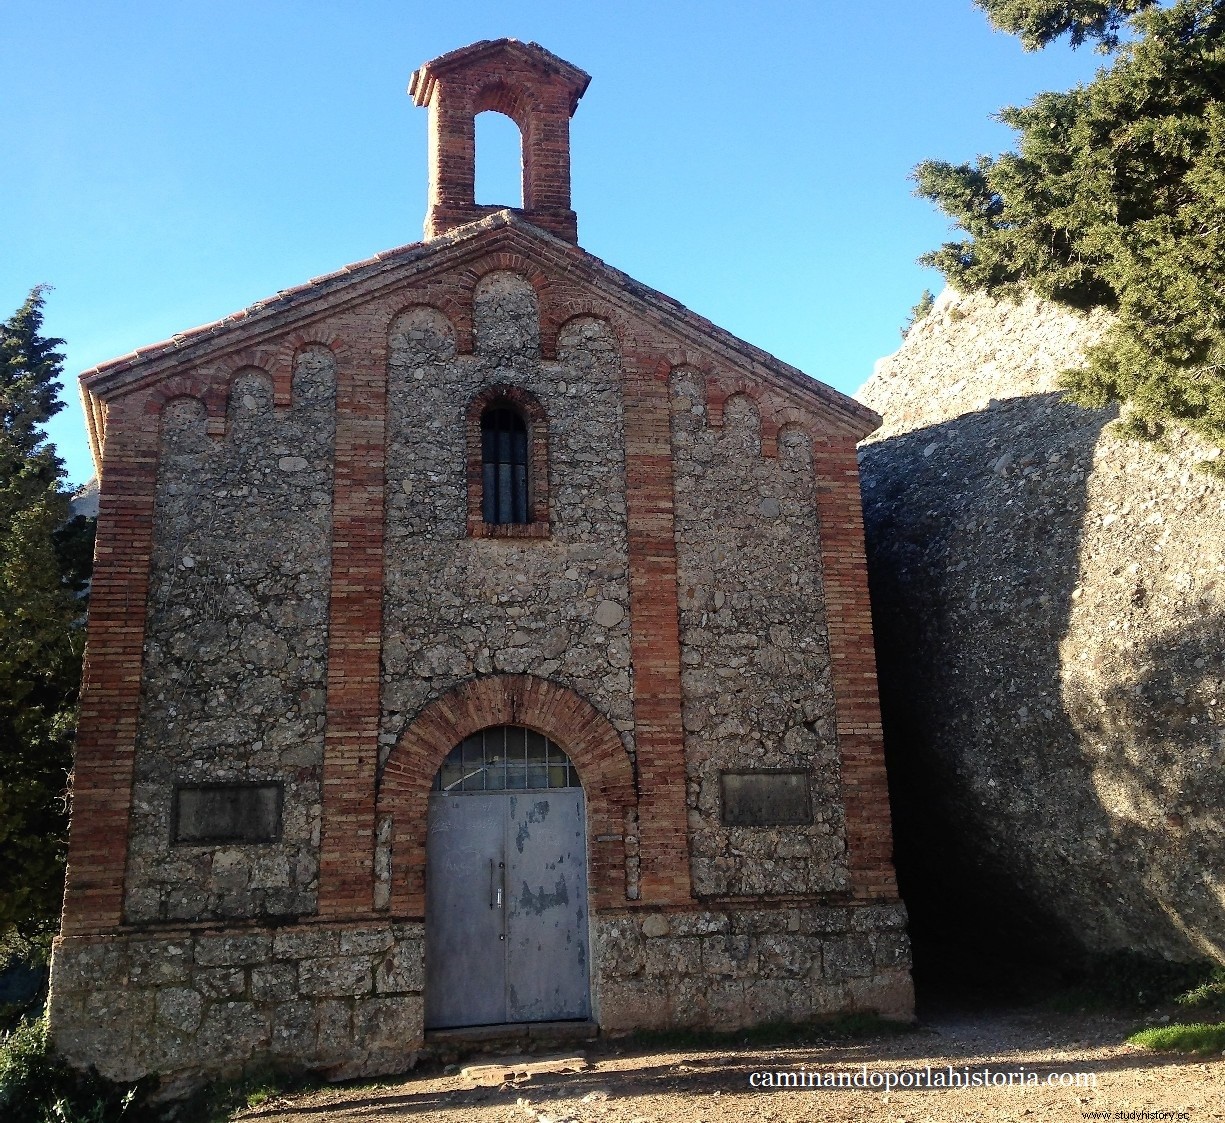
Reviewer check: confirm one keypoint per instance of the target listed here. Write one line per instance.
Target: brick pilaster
(853, 669)
(346, 870)
(655, 644)
(110, 690)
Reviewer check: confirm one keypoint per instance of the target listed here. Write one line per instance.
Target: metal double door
(506, 908)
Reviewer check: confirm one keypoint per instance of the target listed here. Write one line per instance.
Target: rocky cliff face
(1050, 613)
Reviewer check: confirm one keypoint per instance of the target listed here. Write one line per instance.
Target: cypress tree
(43, 574)
(1115, 198)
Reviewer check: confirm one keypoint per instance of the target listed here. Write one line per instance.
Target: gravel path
(712, 1084)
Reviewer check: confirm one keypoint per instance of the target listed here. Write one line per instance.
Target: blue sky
(169, 163)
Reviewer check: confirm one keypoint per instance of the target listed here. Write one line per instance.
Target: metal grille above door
(505, 758)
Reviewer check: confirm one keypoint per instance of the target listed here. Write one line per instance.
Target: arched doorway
(506, 884)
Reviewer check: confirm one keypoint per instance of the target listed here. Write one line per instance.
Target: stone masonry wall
(756, 674)
(191, 1006)
(455, 606)
(723, 970)
(235, 655)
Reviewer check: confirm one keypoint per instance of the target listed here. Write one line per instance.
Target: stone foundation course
(347, 1000)
(344, 1000)
(726, 970)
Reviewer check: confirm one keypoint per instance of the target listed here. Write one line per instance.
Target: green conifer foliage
(1114, 197)
(43, 571)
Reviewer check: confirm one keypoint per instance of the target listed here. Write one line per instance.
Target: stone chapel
(478, 638)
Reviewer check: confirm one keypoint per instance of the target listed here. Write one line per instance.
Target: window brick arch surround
(532, 412)
(586, 736)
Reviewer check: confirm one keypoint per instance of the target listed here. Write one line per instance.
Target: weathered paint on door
(506, 908)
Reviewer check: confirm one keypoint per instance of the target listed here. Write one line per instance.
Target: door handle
(497, 888)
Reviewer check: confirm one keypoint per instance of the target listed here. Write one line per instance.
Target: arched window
(508, 464)
(504, 466)
(505, 758)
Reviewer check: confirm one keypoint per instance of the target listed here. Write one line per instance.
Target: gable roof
(364, 280)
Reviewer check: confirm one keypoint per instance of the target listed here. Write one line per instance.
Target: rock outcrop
(1049, 601)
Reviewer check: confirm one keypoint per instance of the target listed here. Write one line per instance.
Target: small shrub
(1131, 979)
(1210, 993)
(37, 1087)
(919, 311)
(1197, 1037)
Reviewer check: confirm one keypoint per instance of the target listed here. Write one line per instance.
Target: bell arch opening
(499, 174)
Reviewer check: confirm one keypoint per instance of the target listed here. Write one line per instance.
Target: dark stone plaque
(766, 798)
(205, 813)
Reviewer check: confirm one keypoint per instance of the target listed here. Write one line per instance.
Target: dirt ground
(709, 1084)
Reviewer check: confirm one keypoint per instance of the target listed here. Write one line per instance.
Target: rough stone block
(783, 956)
(890, 995)
(655, 926)
(365, 941)
(305, 942)
(180, 1008)
(824, 920)
(687, 1001)
(619, 948)
(699, 923)
(628, 1004)
(729, 957)
(664, 958)
(753, 921)
(873, 918)
(847, 957)
(294, 1031)
(336, 976)
(159, 962)
(385, 1023)
(402, 970)
(274, 982)
(771, 1000)
(828, 998)
(725, 1004)
(221, 982)
(231, 1031)
(233, 951)
(892, 949)
(129, 1008)
(81, 966)
(333, 1030)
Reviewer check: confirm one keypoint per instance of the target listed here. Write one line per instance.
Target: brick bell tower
(535, 89)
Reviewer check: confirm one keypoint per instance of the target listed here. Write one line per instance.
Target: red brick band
(865, 791)
(346, 859)
(655, 642)
(110, 692)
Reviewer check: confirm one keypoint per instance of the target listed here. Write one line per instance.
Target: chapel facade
(477, 638)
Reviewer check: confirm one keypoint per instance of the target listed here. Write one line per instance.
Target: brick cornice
(582, 276)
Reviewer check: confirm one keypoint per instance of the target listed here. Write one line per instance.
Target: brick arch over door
(587, 737)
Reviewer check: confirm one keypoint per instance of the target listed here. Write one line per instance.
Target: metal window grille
(504, 466)
(505, 758)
